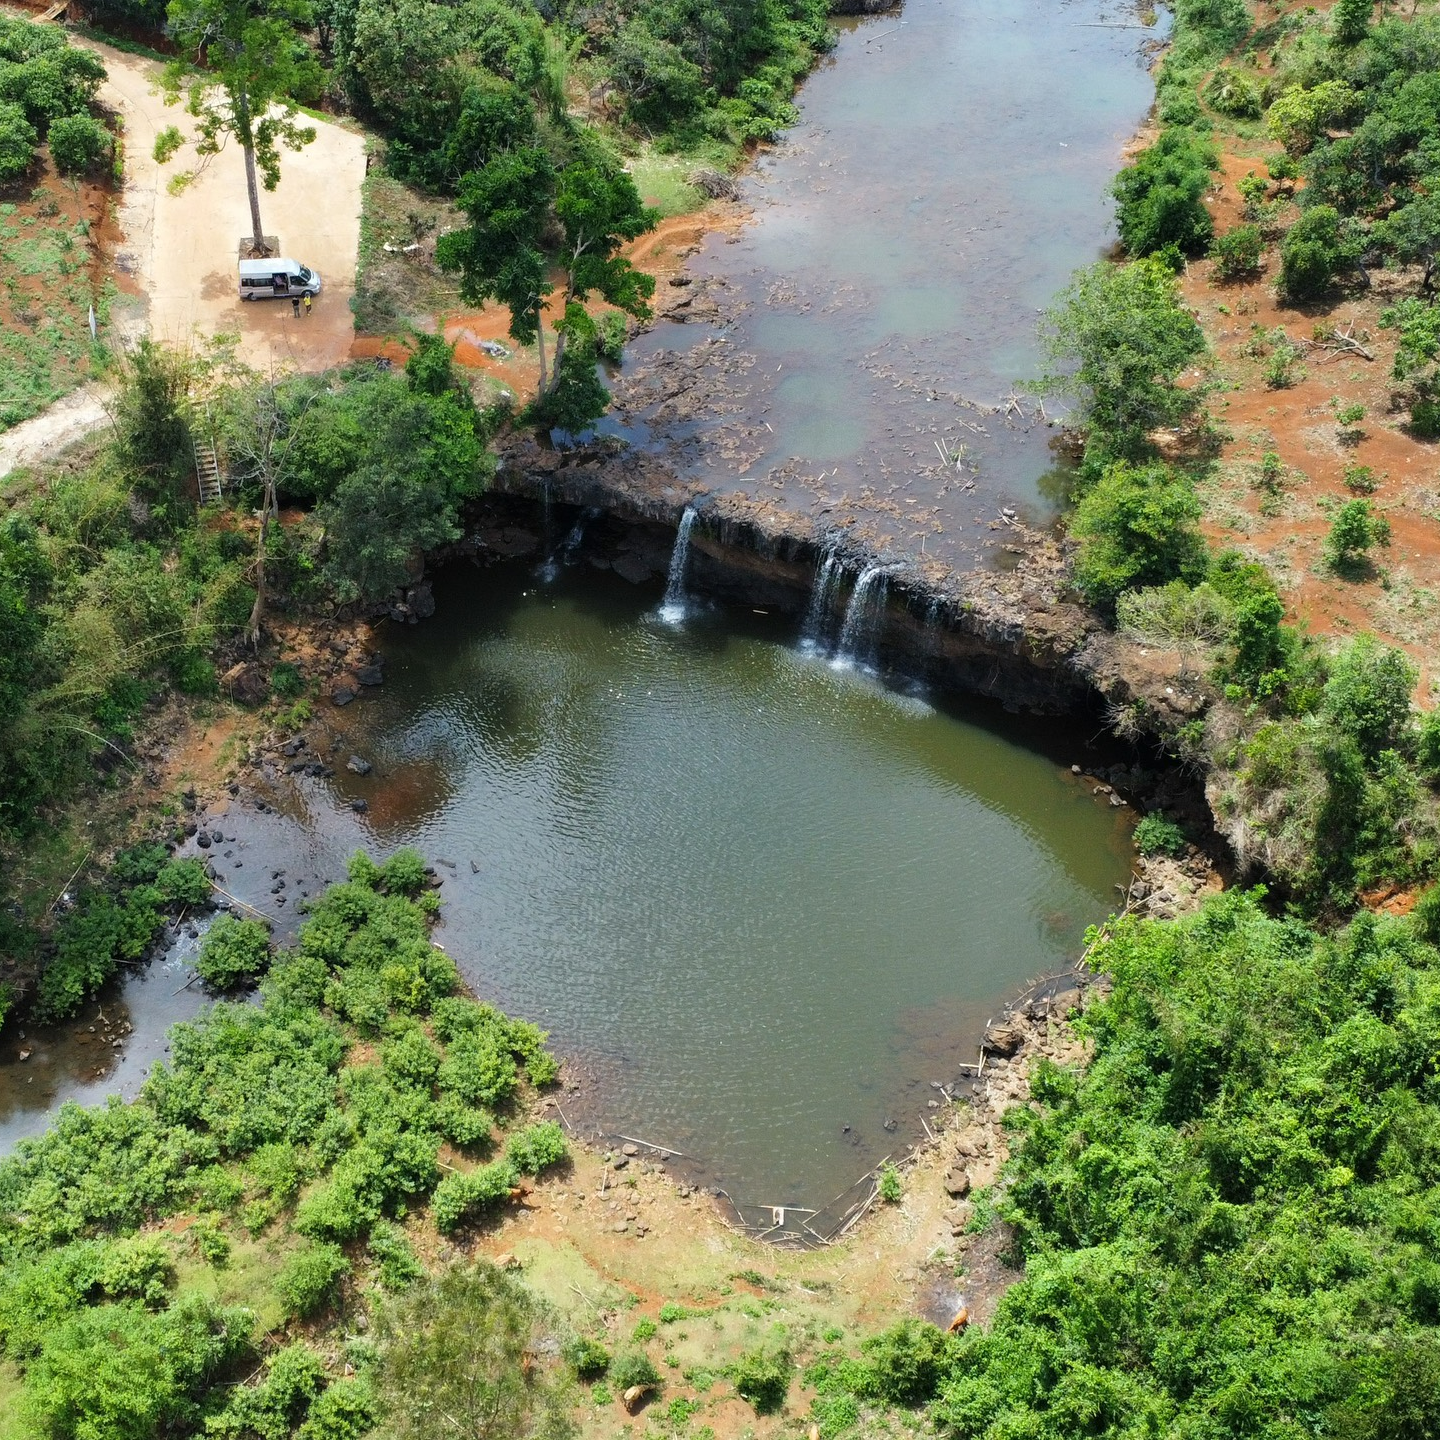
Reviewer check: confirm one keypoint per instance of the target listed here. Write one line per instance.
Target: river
(762, 902)
(949, 172)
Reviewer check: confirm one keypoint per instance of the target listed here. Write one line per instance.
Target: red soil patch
(1401, 601)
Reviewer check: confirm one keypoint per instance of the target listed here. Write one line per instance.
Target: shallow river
(950, 171)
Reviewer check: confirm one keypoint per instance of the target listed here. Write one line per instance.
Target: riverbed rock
(1004, 1039)
(421, 600)
(957, 1183)
(370, 674)
(342, 693)
(246, 684)
(633, 569)
(357, 765)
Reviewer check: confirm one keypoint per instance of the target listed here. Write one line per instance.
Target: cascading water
(568, 549)
(861, 631)
(822, 603)
(672, 607)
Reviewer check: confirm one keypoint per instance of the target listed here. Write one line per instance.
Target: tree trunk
(540, 341)
(252, 183)
(257, 610)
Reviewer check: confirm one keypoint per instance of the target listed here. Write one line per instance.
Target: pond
(758, 900)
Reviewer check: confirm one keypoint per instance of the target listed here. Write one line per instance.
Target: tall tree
(500, 254)
(513, 200)
(257, 65)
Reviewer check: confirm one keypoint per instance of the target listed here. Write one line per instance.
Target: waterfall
(822, 602)
(672, 608)
(567, 550)
(861, 630)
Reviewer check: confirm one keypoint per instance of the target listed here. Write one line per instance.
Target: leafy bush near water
(1224, 1221)
(254, 1113)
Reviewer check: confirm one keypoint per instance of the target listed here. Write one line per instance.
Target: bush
(78, 144)
(1367, 697)
(1356, 529)
(17, 142)
(478, 1070)
(889, 1186)
(1137, 527)
(309, 1281)
(763, 1378)
(404, 872)
(1237, 252)
(1316, 249)
(906, 1362)
(537, 1147)
(633, 1368)
(394, 1256)
(461, 1195)
(1155, 835)
(1161, 196)
(462, 1346)
(588, 1358)
(233, 952)
(1231, 92)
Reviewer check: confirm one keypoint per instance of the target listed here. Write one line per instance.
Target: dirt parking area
(182, 248)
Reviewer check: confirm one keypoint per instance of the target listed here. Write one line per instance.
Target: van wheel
(247, 298)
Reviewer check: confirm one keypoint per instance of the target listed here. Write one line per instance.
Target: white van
(276, 279)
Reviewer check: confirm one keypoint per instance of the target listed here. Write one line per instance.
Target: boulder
(1003, 1039)
(370, 674)
(633, 569)
(357, 765)
(342, 693)
(246, 683)
(957, 1183)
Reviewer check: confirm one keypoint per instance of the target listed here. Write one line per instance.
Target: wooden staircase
(53, 12)
(207, 471)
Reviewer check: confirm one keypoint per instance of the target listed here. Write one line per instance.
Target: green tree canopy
(1120, 339)
(257, 68)
(1137, 526)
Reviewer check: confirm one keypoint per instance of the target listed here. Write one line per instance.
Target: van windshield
(306, 274)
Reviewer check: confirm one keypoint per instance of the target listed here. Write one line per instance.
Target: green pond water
(758, 900)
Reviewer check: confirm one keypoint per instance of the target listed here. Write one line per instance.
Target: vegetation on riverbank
(178, 1264)
(118, 591)
(1322, 776)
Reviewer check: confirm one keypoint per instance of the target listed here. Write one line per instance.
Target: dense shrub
(537, 1147)
(78, 143)
(309, 1281)
(1155, 835)
(1161, 196)
(588, 1358)
(233, 952)
(761, 1376)
(462, 1195)
(1136, 526)
(17, 142)
(1225, 1200)
(1237, 252)
(1356, 529)
(1316, 250)
(631, 1368)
